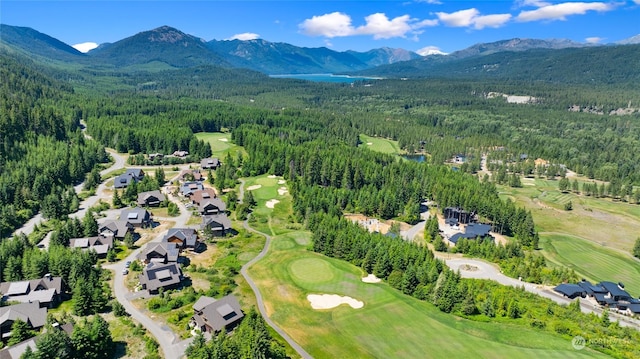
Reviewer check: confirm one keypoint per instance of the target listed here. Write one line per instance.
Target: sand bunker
(282, 182)
(272, 203)
(255, 186)
(223, 139)
(329, 301)
(282, 190)
(371, 278)
(369, 143)
(272, 176)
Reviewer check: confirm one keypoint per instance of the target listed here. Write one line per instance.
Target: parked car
(127, 264)
(125, 271)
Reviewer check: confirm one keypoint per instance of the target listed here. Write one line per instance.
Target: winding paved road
(474, 268)
(303, 353)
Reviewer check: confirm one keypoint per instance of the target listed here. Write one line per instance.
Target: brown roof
(199, 196)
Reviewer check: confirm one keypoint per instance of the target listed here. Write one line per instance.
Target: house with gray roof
(158, 275)
(150, 198)
(163, 252)
(31, 313)
(117, 229)
(16, 351)
(218, 224)
(187, 188)
(130, 175)
(213, 315)
(98, 244)
(212, 206)
(472, 231)
(209, 163)
(183, 238)
(45, 291)
(190, 175)
(137, 217)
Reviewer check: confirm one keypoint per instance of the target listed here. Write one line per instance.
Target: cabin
(159, 275)
(125, 179)
(137, 217)
(209, 163)
(31, 313)
(98, 244)
(212, 315)
(150, 198)
(46, 291)
(184, 238)
(163, 252)
(218, 224)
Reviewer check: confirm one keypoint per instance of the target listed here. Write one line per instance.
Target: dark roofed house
(158, 275)
(31, 313)
(46, 291)
(571, 290)
(182, 237)
(458, 213)
(163, 252)
(218, 224)
(131, 174)
(153, 156)
(472, 231)
(211, 206)
(137, 217)
(451, 221)
(99, 244)
(150, 198)
(117, 229)
(616, 291)
(213, 315)
(16, 351)
(209, 163)
(633, 309)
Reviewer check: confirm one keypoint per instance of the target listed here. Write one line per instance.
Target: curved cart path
(255, 288)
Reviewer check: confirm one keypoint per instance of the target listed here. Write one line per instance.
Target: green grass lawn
(592, 261)
(220, 143)
(390, 324)
(379, 144)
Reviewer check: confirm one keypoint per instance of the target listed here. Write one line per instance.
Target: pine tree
(117, 201)
(636, 248)
(90, 225)
(20, 330)
(128, 240)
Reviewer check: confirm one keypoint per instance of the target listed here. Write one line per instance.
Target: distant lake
(324, 77)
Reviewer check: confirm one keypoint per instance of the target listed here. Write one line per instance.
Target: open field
(379, 144)
(220, 143)
(289, 273)
(592, 261)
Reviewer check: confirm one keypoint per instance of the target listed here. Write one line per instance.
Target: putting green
(311, 270)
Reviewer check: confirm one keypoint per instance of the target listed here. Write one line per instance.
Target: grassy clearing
(379, 144)
(273, 221)
(220, 143)
(289, 273)
(418, 329)
(592, 261)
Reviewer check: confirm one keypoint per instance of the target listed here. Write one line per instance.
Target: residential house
(180, 154)
(187, 188)
(460, 214)
(153, 156)
(46, 291)
(98, 244)
(183, 238)
(571, 291)
(31, 313)
(472, 231)
(213, 315)
(159, 275)
(125, 179)
(199, 196)
(16, 351)
(606, 294)
(163, 252)
(190, 175)
(116, 229)
(459, 158)
(218, 224)
(137, 217)
(209, 163)
(211, 206)
(150, 198)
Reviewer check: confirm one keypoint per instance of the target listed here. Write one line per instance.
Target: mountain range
(168, 48)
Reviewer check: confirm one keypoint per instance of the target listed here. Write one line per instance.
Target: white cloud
(381, 27)
(495, 20)
(85, 46)
(532, 3)
(593, 40)
(430, 50)
(331, 25)
(462, 18)
(472, 18)
(378, 25)
(562, 10)
(435, 2)
(246, 36)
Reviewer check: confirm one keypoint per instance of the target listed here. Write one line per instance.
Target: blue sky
(339, 25)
